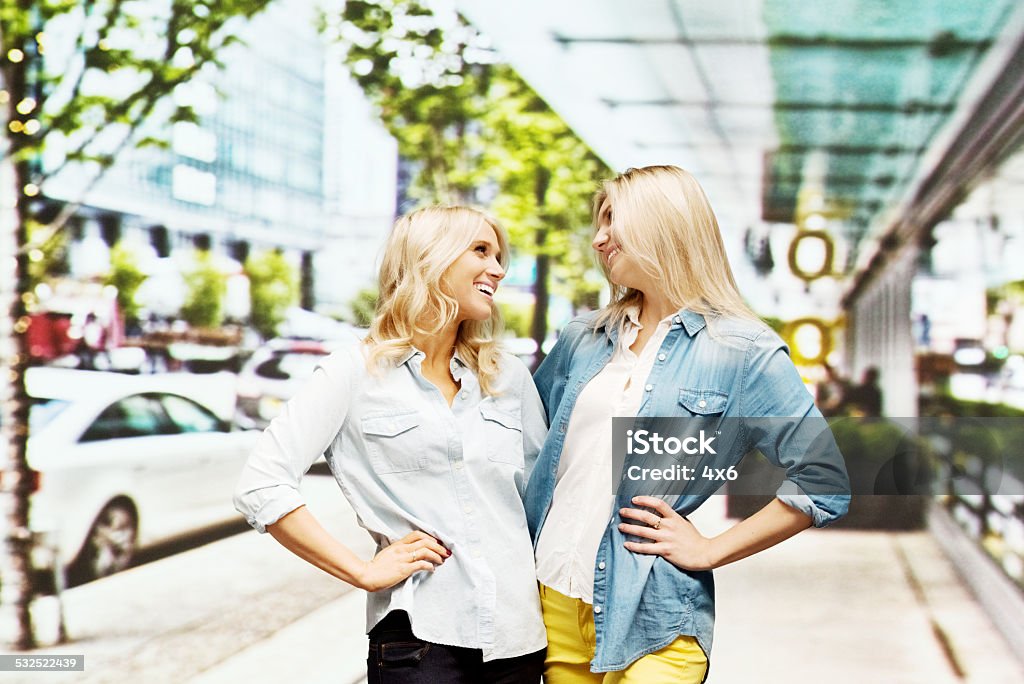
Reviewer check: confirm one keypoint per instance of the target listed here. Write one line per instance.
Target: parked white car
(273, 374)
(125, 462)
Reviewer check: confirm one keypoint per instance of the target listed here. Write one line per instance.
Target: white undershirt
(583, 501)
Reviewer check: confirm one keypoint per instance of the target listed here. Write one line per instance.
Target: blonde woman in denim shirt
(626, 585)
(430, 431)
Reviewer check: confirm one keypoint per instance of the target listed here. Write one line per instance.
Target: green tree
(205, 287)
(428, 84)
(127, 277)
(363, 306)
(47, 255)
(476, 131)
(516, 318)
(273, 287)
(547, 177)
(115, 67)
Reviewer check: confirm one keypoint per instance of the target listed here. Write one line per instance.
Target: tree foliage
(96, 71)
(273, 287)
(477, 133)
(127, 277)
(205, 288)
(363, 306)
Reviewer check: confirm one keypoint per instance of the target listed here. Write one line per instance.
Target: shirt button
(661, 357)
(458, 465)
(702, 403)
(464, 395)
(677, 320)
(597, 610)
(649, 388)
(600, 566)
(474, 553)
(467, 510)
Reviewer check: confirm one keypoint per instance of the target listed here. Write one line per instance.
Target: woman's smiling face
(623, 269)
(473, 278)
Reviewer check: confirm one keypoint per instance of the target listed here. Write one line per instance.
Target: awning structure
(782, 108)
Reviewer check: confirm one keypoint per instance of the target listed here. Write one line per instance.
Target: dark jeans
(398, 657)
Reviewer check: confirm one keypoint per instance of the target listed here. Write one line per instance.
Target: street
(181, 615)
(872, 605)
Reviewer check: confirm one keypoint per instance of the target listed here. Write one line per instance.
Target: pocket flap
(500, 417)
(390, 425)
(703, 402)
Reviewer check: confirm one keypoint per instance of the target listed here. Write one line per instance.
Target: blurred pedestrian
(865, 399)
(626, 585)
(92, 343)
(430, 431)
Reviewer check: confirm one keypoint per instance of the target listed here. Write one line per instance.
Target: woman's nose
(600, 240)
(496, 270)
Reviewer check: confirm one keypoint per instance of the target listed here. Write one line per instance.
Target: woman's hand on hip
(672, 536)
(415, 552)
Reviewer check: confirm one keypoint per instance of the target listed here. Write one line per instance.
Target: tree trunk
(16, 479)
(539, 322)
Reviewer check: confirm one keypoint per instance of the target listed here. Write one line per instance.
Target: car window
(289, 365)
(42, 411)
(135, 416)
(190, 416)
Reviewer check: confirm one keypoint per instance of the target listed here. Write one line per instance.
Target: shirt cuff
(266, 506)
(823, 510)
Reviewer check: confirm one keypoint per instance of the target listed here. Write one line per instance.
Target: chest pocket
(504, 435)
(392, 442)
(701, 402)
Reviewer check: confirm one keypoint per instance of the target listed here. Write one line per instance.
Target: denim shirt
(643, 602)
(406, 461)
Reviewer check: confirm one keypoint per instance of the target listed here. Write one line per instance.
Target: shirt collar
(457, 365)
(409, 355)
(692, 321)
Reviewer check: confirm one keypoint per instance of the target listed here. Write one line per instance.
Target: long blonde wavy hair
(415, 297)
(663, 219)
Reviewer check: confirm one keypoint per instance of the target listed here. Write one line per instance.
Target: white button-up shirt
(407, 461)
(583, 501)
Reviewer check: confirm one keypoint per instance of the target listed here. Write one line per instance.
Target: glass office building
(263, 168)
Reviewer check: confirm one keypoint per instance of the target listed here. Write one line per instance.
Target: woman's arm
(268, 490)
(677, 540)
(268, 487)
(791, 433)
(302, 534)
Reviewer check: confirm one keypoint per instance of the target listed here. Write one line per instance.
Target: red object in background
(48, 336)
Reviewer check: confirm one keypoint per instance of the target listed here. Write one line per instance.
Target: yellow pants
(571, 643)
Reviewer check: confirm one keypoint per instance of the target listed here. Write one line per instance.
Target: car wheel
(110, 545)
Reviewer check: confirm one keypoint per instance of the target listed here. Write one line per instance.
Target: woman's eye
(482, 249)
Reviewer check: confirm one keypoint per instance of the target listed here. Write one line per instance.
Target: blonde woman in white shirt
(430, 431)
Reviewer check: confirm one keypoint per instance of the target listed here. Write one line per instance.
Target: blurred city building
(286, 155)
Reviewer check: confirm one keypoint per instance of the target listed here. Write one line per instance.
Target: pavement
(842, 606)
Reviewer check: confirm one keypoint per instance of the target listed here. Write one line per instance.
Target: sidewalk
(844, 606)
(850, 606)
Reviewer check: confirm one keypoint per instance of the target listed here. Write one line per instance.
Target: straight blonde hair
(663, 219)
(414, 295)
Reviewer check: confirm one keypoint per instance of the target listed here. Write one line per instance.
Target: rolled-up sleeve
(784, 424)
(268, 488)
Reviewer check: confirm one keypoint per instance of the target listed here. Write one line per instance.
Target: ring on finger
(415, 555)
(657, 523)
